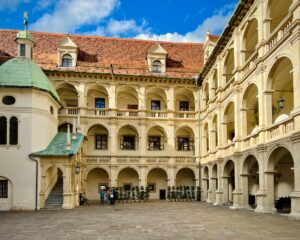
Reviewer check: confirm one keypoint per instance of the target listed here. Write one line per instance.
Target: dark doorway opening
(162, 194)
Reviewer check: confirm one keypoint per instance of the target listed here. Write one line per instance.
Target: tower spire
(25, 20)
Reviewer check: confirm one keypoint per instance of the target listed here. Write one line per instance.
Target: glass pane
(100, 103)
(155, 105)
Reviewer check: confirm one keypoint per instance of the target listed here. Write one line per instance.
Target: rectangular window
(183, 106)
(99, 102)
(127, 142)
(3, 188)
(22, 50)
(154, 143)
(101, 142)
(184, 144)
(155, 105)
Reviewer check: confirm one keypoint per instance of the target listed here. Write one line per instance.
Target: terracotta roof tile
(127, 56)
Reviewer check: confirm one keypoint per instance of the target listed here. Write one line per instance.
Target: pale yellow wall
(94, 178)
(159, 178)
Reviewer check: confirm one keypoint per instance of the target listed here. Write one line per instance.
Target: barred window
(101, 142)
(155, 143)
(3, 188)
(127, 142)
(3, 131)
(13, 131)
(67, 60)
(185, 144)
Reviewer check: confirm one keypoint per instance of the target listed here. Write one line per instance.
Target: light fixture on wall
(281, 103)
(77, 168)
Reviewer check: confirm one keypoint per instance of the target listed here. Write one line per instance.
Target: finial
(78, 124)
(25, 20)
(68, 146)
(74, 134)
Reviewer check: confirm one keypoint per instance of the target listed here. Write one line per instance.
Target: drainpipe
(196, 79)
(36, 180)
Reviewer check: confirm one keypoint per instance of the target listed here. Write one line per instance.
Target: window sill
(10, 146)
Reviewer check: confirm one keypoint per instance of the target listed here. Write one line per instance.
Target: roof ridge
(105, 37)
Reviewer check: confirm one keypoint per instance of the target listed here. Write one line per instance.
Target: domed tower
(28, 121)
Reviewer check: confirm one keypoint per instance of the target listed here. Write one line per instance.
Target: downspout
(36, 180)
(199, 118)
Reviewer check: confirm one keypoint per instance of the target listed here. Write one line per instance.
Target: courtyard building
(79, 113)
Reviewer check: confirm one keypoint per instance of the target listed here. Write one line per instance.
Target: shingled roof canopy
(58, 146)
(96, 54)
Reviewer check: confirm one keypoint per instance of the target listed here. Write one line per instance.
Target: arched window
(3, 131)
(156, 66)
(67, 60)
(13, 131)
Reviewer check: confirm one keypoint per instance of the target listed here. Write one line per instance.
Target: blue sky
(171, 20)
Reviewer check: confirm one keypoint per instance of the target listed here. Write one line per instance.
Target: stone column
(268, 108)
(67, 193)
(113, 181)
(212, 189)
(261, 194)
(204, 189)
(237, 192)
(220, 191)
(295, 196)
(245, 190)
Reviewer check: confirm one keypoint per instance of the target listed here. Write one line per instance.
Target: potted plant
(193, 193)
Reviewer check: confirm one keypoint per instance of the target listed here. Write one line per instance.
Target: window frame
(124, 140)
(155, 108)
(184, 145)
(3, 130)
(154, 145)
(13, 131)
(3, 188)
(67, 60)
(156, 66)
(184, 108)
(22, 50)
(103, 142)
(102, 104)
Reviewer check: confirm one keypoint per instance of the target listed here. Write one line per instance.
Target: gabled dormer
(157, 58)
(209, 45)
(67, 53)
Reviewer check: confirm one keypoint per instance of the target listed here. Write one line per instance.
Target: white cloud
(43, 4)
(118, 28)
(11, 5)
(69, 16)
(215, 24)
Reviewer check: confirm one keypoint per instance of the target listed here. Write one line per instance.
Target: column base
(237, 200)
(219, 198)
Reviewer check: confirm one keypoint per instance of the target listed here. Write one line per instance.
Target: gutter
(36, 180)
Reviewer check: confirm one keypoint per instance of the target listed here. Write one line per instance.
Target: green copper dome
(25, 35)
(24, 73)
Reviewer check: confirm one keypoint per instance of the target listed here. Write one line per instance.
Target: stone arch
(157, 177)
(250, 180)
(127, 97)
(98, 138)
(229, 122)
(68, 94)
(96, 178)
(128, 137)
(277, 11)
(156, 94)
(157, 137)
(185, 138)
(250, 110)
(187, 95)
(280, 179)
(250, 38)
(97, 96)
(128, 175)
(228, 181)
(185, 176)
(7, 203)
(64, 126)
(229, 65)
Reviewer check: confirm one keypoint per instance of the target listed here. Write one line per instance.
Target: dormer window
(157, 58)
(156, 66)
(22, 50)
(66, 60)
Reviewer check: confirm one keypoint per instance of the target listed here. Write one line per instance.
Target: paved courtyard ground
(154, 220)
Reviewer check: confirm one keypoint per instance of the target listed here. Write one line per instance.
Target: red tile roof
(127, 56)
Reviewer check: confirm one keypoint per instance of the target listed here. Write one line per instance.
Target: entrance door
(162, 194)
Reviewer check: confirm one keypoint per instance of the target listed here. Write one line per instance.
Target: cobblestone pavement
(154, 220)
